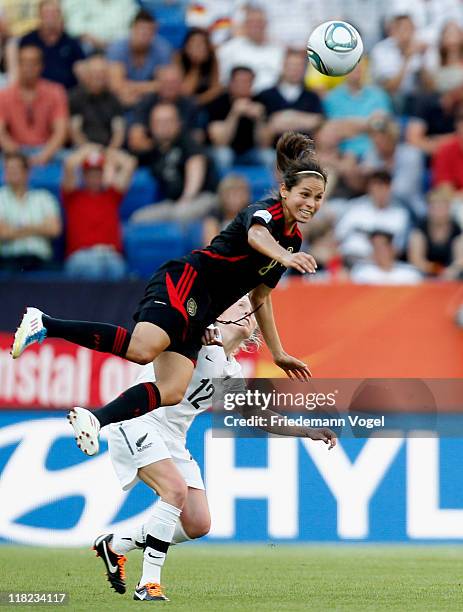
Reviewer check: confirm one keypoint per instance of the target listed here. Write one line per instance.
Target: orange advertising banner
(352, 331)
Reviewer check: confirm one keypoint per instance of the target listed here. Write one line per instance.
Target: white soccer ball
(334, 48)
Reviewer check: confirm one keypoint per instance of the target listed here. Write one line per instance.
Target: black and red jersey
(230, 267)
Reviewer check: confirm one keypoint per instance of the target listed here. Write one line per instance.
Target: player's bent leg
(146, 343)
(173, 374)
(195, 521)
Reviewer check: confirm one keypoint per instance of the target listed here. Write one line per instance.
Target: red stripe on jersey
(186, 279)
(276, 206)
(180, 280)
(117, 341)
(188, 287)
(122, 338)
(224, 257)
(174, 299)
(277, 216)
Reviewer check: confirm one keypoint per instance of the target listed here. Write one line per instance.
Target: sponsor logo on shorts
(191, 307)
(139, 443)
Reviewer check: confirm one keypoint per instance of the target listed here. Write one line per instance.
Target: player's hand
(212, 336)
(324, 434)
(302, 262)
(294, 368)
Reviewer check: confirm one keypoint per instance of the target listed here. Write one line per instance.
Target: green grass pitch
(247, 578)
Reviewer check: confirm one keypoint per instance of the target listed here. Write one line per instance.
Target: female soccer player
(184, 296)
(152, 448)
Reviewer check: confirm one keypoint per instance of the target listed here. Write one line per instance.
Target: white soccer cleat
(30, 330)
(87, 430)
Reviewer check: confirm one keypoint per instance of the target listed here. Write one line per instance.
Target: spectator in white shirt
(384, 269)
(377, 210)
(252, 50)
(397, 62)
(29, 219)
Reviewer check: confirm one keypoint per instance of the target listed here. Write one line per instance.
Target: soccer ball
(334, 48)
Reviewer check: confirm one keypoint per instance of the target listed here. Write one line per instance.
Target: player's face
(303, 201)
(239, 309)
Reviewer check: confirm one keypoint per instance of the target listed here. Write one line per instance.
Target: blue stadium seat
(193, 235)
(143, 190)
(147, 246)
(171, 19)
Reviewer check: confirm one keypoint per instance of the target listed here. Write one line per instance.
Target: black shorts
(176, 301)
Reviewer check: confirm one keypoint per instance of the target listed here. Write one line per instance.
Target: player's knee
(172, 396)
(176, 496)
(199, 528)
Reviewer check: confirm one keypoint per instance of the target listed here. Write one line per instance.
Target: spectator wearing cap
(237, 124)
(289, 105)
(348, 108)
(93, 231)
(435, 245)
(252, 49)
(377, 210)
(397, 62)
(134, 60)
(29, 219)
(33, 111)
(96, 114)
(180, 165)
(405, 162)
(170, 91)
(383, 268)
(447, 161)
(61, 52)
(98, 22)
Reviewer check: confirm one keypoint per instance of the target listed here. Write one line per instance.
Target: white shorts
(141, 441)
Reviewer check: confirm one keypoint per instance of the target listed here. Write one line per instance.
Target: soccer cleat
(152, 591)
(87, 429)
(115, 564)
(30, 330)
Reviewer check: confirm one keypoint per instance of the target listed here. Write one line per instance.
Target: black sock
(96, 336)
(134, 402)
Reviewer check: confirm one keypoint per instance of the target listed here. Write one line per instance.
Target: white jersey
(212, 363)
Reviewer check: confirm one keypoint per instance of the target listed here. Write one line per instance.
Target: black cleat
(115, 564)
(149, 592)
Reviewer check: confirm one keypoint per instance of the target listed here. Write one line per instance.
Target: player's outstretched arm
(260, 239)
(294, 368)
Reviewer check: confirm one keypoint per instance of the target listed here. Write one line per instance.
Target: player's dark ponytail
(296, 153)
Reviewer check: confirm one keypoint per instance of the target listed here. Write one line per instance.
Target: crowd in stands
(125, 114)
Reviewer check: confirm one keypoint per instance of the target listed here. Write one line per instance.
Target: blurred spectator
(252, 49)
(367, 16)
(29, 219)
(179, 164)
(289, 105)
(377, 210)
(429, 16)
(96, 114)
(397, 62)
(134, 59)
(403, 161)
(444, 62)
(237, 124)
(19, 16)
(61, 52)
(33, 111)
(98, 22)
(433, 122)
(233, 195)
(384, 268)
(320, 236)
(447, 161)
(436, 245)
(170, 81)
(93, 231)
(348, 108)
(199, 65)
(215, 16)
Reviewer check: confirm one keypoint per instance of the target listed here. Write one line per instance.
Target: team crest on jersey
(272, 264)
(191, 307)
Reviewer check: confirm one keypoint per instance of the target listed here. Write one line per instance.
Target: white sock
(180, 534)
(124, 542)
(159, 533)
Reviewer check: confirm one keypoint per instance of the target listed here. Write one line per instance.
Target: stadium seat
(143, 190)
(193, 234)
(147, 246)
(171, 19)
